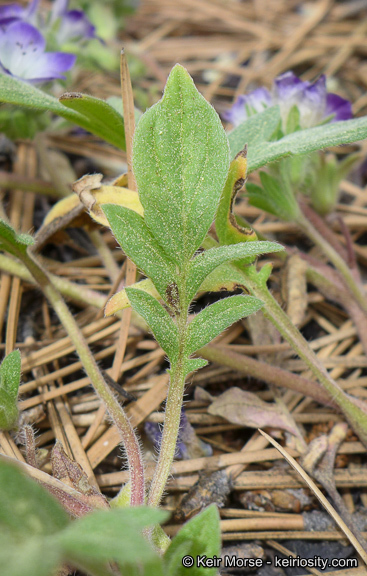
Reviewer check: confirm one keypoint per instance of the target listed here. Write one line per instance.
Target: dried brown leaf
(296, 289)
(245, 408)
(73, 475)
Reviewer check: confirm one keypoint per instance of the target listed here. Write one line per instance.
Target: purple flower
(341, 108)
(313, 101)
(73, 24)
(310, 99)
(248, 104)
(23, 56)
(11, 12)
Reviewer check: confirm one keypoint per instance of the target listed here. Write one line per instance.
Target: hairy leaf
(20, 93)
(306, 141)
(8, 411)
(103, 117)
(140, 246)
(211, 321)
(199, 536)
(10, 373)
(120, 301)
(35, 556)
(11, 241)
(205, 262)
(36, 534)
(112, 535)
(226, 277)
(181, 160)
(159, 321)
(255, 130)
(273, 198)
(26, 507)
(193, 364)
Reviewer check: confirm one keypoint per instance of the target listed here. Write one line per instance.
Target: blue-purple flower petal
(248, 104)
(312, 103)
(312, 100)
(75, 25)
(22, 55)
(52, 66)
(9, 13)
(237, 113)
(339, 107)
(287, 86)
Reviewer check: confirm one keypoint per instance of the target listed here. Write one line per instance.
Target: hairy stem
(328, 282)
(336, 259)
(12, 181)
(71, 290)
(171, 420)
(356, 415)
(105, 254)
(272, 375)
(116, 412)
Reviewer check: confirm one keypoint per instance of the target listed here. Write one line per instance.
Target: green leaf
(205, 262)
(113, 535)
(116, 103)
(255, 130)
(211, 321)
(306, 141)
(25, 507)
(327, 175)
(225, 277)
(173, 561)
(9, 387)
(36, 534)
(29, 520)
(94, 112)
(10, 374)
(33, 557)
(12, 242)
(181, 161)
(140, 246)
(104, 118)
(274, 197)
(199, 536)
(19, 123)
(193, 364)
(159, 321)
(293, 120)
(8, 411)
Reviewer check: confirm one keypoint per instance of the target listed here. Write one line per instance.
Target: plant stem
(335, 259)
(330, 284)
(171, 420)
(116, 412)
(355, 415)
(105, 254)
(12, 181)
(272, 375)
(75, 292)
